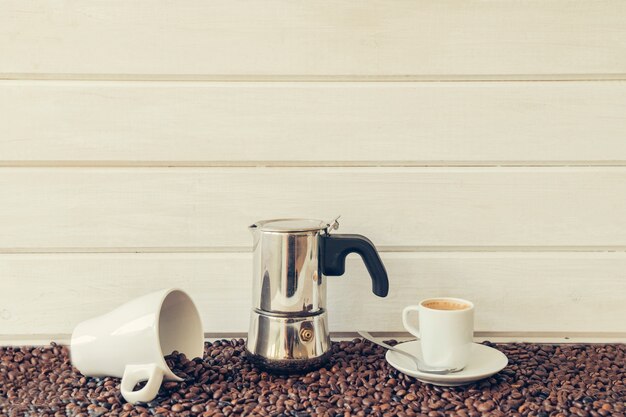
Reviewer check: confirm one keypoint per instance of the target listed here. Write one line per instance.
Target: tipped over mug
(130, 342)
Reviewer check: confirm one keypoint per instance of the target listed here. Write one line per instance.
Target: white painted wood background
(480, 144)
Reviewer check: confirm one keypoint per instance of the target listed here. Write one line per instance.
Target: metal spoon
(421, 366)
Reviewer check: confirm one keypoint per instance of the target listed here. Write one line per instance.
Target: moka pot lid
(294, 225)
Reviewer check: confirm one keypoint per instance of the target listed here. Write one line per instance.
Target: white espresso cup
(130, 341)
(446, 330)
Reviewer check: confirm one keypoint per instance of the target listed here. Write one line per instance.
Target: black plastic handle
(335, 248)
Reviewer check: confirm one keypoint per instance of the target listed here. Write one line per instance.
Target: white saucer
(484, 362)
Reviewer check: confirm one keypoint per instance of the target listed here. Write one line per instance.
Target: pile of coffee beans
(541, 381)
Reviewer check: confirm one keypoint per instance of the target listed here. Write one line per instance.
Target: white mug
(446, 330)
(130, 341)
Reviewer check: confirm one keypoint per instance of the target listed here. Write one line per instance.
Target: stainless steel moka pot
(292, 258)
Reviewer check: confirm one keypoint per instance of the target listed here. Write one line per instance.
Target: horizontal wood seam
(307, 164)
(316, 78)
(351, 168)
(501, 337)
(384, 249)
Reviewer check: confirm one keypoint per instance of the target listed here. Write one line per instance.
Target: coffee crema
(445, 305)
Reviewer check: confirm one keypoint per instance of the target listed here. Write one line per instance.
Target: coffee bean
(98, 411)
(541, 380)
(486, 406)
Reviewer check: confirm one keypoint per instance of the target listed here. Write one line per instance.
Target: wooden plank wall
(480, 145)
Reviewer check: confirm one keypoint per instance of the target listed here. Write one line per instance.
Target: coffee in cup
(446, 304)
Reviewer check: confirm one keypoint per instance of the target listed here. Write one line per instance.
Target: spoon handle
(368, 336)
(418, 363)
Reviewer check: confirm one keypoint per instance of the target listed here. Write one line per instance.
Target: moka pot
(291, 260)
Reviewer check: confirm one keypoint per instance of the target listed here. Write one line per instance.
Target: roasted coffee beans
(540, 381)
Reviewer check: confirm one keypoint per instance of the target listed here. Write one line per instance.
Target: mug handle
(405, 320)
(137, 373)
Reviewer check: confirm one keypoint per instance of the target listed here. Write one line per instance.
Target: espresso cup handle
(137, 373)
(405, 320)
